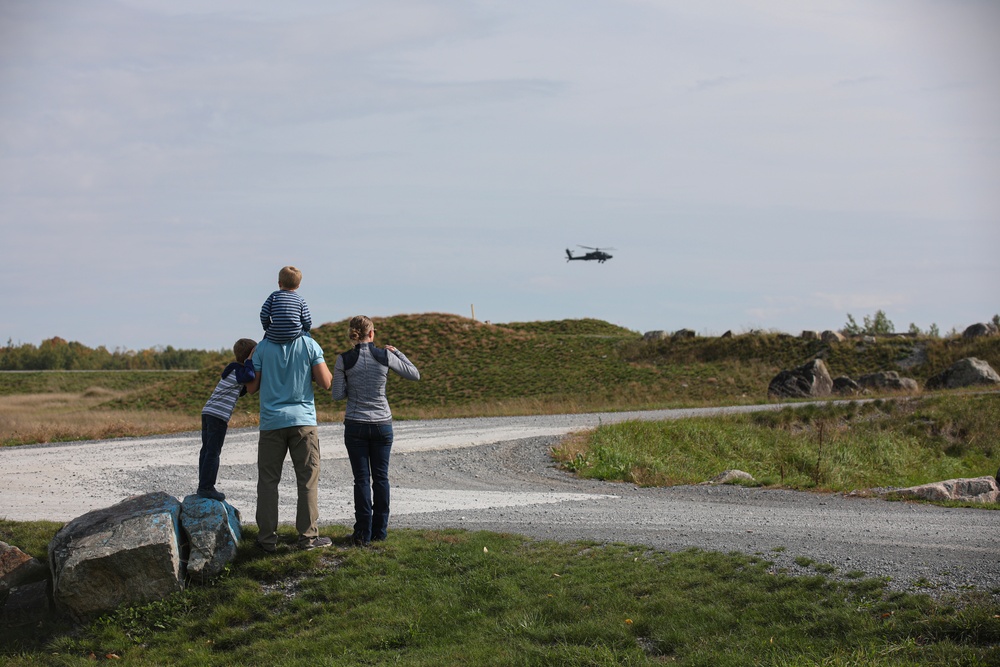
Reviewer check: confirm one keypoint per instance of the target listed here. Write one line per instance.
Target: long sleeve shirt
(285, 316)
(360, 376)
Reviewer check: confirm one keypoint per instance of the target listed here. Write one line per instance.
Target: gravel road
(495, 474)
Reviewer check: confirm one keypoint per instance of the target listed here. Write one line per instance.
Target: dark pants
(213, 434)
(368, 446)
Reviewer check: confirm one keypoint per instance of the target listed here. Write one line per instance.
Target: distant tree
(933, 331)
(915, 330)
(874, 325)
(996, 321)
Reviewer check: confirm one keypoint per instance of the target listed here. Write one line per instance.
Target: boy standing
(285, 315)
(216, 413)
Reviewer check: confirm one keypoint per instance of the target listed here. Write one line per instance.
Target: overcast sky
(764, 164)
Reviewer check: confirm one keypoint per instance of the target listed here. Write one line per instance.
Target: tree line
(57, 354)
(879, 324)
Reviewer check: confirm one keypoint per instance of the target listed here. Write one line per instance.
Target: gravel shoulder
(496, 474)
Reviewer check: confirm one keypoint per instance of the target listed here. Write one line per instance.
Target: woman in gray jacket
(359, 376)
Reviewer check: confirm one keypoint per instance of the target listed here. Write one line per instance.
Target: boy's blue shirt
(286, 391)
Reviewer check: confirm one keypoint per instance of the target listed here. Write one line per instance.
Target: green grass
(838, 446)
(461, 598)
(47, 382)
(470, 368)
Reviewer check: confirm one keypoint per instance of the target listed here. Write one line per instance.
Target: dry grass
(30, 418)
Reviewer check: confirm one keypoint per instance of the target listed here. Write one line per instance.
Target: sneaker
(211, 494)
(358, 542)
(316, 543)
(266, 548)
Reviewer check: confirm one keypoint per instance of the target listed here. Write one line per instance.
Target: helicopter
(595, 253)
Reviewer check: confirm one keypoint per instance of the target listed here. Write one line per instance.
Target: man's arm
(321, 375)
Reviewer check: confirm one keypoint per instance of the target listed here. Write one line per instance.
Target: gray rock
(728, 334)
(213, 531)
(888, 380)
(975, 489)
(846, 386)
(977, 330)
(124, 554)
(18, 568)
(964, 373)
(730, 477)
(810, 335)
(657, 334)
(809, 380)
(683, 333)
(829, 336)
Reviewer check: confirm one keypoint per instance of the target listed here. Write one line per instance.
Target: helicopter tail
(569, 254)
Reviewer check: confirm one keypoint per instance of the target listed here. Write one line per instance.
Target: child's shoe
(211, 493)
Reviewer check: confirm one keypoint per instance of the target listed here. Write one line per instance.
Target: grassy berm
(470, 368)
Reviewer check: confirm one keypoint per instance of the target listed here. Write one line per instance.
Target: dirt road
(495, 474)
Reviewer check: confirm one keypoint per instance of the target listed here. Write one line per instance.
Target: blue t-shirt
(286, 391)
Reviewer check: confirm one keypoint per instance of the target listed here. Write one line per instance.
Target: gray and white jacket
(359, 376)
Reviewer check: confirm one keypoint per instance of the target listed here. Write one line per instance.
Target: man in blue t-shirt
(285, 373)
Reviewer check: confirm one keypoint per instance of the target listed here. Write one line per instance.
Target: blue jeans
(213, 434)
(368, 447)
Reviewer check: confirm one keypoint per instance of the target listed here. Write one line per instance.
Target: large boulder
(964, 373)
(213, 531)
(126, 553)
(975, 489)
(887, 380)
(809, 335)
(657, 334)
(807, 381)
(683, 333)
(979, 329)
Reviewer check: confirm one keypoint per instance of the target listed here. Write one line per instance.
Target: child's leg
(213, 434)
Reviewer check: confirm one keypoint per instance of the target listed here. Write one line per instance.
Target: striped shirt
(359, 376)
(222, 402)
(285, 316)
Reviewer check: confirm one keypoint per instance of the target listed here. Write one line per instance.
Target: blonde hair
(289, 277)
(243, 348)
(359, 328)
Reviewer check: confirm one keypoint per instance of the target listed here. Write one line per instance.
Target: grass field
(840, 446)
(430, 598)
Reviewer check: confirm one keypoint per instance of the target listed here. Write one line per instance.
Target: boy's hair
(243, 348)
(289, 277)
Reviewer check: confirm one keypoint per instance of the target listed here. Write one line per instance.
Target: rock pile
(144, 548)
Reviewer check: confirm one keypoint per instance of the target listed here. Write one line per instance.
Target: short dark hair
(243, 348)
